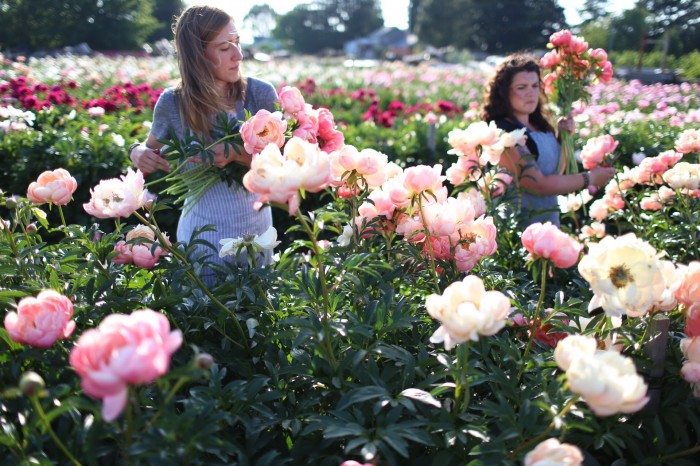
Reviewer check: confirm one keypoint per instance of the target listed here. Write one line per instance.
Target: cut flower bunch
(572, 68)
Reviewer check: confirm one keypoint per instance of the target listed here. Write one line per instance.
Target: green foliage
(46, 24)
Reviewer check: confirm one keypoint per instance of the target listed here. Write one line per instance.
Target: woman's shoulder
(260, 94)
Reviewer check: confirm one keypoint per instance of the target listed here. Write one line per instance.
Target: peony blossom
(552, 453)
(624, 274)
(466, 310)
(138, 248)
(291, 100)
(278, 177)
(683, 175)
(234, 246)
(606, 380)
(42, 320)
(123, 350)
(56, 187)
(688, 293)
(262, 129)
(545, 240)
(688, 141)
(118, 197)
(596, 149)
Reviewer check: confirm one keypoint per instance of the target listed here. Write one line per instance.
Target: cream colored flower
(608, 382)
(683, 175)
(624, 274)
(574, 201)
(466, 310)
(572, 347)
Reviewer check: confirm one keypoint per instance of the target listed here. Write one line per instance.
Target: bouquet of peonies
(295, 118)
(572, 68)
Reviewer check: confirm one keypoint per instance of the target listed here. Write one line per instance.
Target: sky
(395, 12)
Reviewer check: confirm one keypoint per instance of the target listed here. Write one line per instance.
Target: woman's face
(224, 52)
(524, 93)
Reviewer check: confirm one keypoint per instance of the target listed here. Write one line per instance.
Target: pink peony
(329, 138)
(56, 187)
(561, 38)
(42, 320)
(138, 248)
(595, 150)
(689, 291)
(118, 197)
(124, 350)
(688, 141)
(291, 100)
(549, 242)
(262, 129)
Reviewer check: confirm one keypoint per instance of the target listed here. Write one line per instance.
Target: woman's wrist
(586, 180)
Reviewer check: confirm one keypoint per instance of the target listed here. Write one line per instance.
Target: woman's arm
(529, 177)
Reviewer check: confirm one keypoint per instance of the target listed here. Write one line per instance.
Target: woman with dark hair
(209, 59)
(514, 98)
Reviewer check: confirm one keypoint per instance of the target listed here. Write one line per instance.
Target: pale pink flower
(599, 55)
(466, 310)
(552, 453)
(354, 463)
(138, 248)
(594, 230)
(561, 38)
(96, 112)
(466, 167)
(550, 59)
(547, 241)
(688, 293)
(368, 164)
(307, 125)
(422, 178)
(262, 129)
(595, 150)
(651, 202)
(291, 100)
(278, 177)
(118, 197)
(123, 350)
(56, 187)
(573, 347)
(688, 141)
(599, 209)
(42, 320)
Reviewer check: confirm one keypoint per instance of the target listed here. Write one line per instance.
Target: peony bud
(10, 202)
(204, 360)
(31, 229)
(31, 383)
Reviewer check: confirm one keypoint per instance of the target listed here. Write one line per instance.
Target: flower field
(405, 320)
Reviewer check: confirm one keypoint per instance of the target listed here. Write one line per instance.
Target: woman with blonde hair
(209, 58)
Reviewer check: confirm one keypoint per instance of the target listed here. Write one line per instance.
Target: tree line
(494, 26)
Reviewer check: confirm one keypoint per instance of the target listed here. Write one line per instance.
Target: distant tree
(327, 24)
(261, 20)
(48, 24)
(413, 9)
(628, 28)
(495, 26)
(165, 12)
(594, 10)
(681, 15)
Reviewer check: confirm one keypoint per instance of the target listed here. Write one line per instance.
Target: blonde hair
(199, 100)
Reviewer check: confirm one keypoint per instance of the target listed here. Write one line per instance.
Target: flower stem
(165, 244)
(42, 415)
(178, 385)
(462, 389)
(426, 232)
(535, 319)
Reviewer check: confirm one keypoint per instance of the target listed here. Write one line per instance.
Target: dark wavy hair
(496, 103)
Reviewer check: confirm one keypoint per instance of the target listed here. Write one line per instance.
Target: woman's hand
(566, 124)
(600, 176)
(221, 160)
(148, 160)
